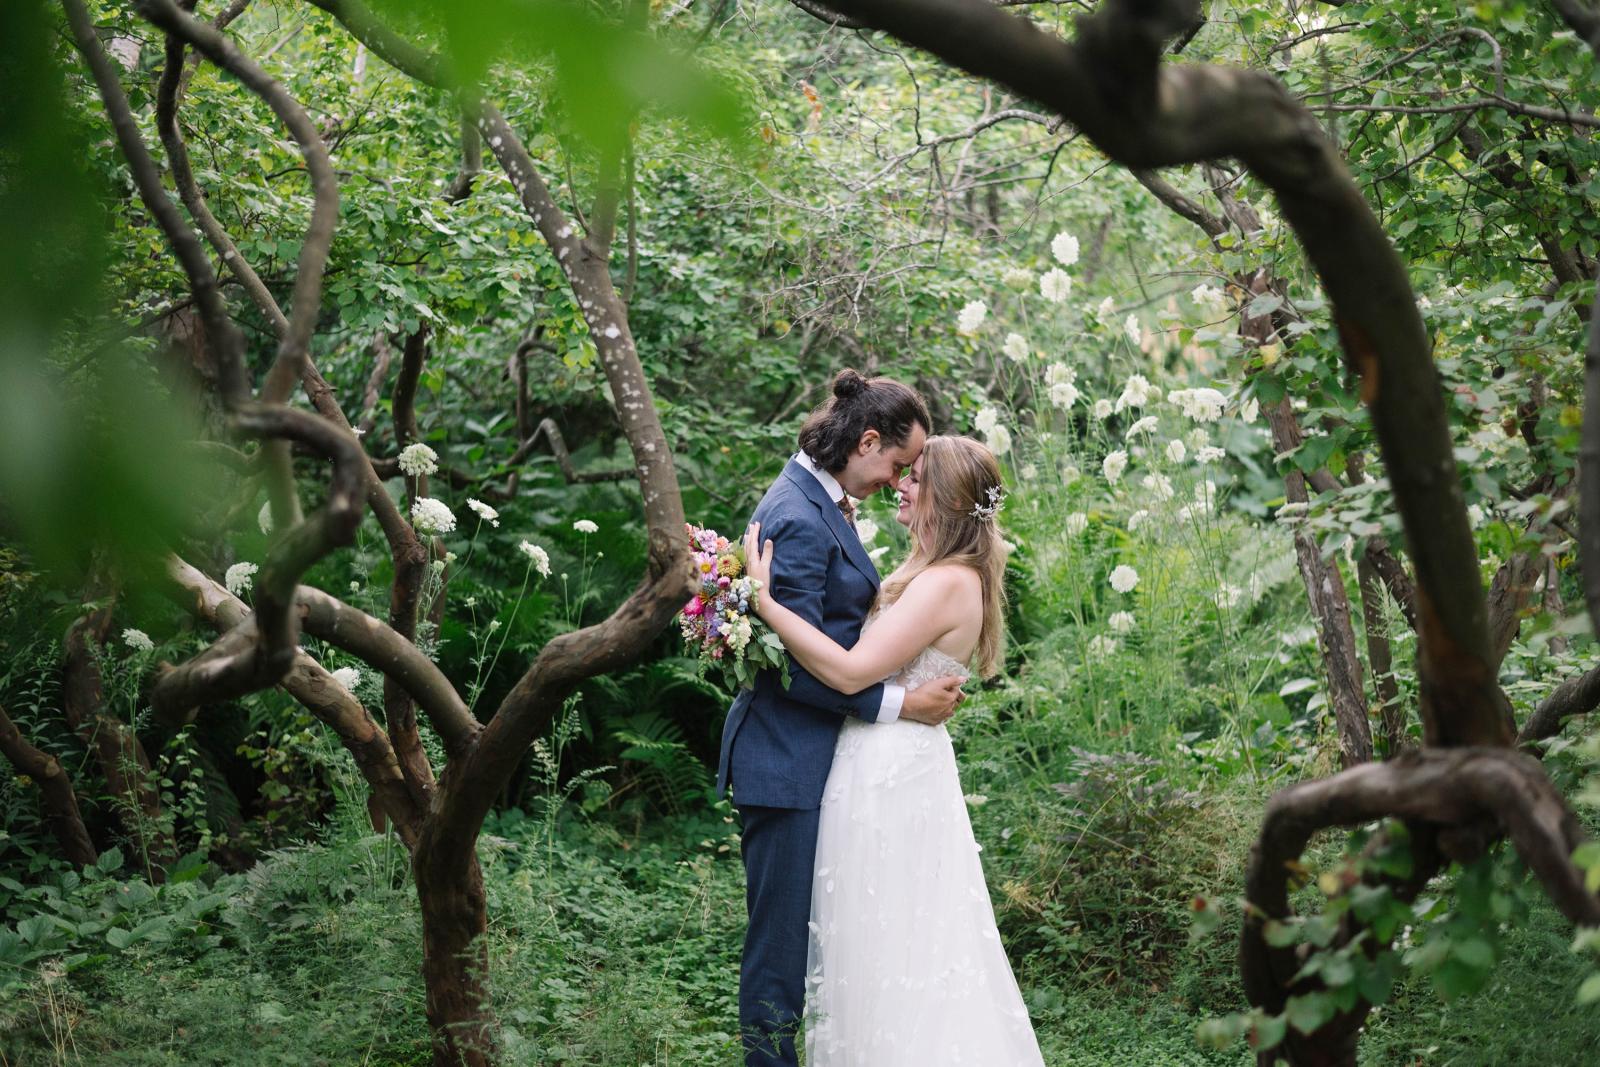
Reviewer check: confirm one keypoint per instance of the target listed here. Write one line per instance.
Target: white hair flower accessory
(418, 459)
(484, 511)
(238, 579)
(996, 500)
(432, 516)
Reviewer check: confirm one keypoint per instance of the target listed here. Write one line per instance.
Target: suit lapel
(854, 550)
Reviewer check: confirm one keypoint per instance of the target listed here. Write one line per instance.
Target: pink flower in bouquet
(694, 607)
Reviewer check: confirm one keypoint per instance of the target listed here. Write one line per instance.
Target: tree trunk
(57, 800)
(455, 961)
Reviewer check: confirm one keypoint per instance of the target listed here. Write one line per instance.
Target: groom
(777, 744)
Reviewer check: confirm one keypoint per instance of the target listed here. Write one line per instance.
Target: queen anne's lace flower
(1121, 622)
(348, 677)
(1228, 595)
(238, 579)
(1207, 296)
(1105, 309)
(1102, 409)
(1137, 519)
(1019, 279)
(971, 316)
(986, 419)
(586, 526)
(1136, 392)
(1143, 425)
(1076, 523)
(431, 516)
(1124, 578)
(1065, 249)
(1209, 454)
(417, 459)
(540, 558)
(1102, 646)
(1055, 284)
(1057, 373)
(1176, 450)
(1201, 405)
(1070, 473)
(866, 530)
(1113, 465)
(999, 440)
(138, 640)
(1159, 486)
(1130, 326)
(1063, 394)
(1016, 347)
(484, 511)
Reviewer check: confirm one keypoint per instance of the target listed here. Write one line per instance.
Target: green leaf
(1589, 991)
(1307, 1012)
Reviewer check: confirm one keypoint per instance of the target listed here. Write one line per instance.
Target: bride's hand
(757, 557)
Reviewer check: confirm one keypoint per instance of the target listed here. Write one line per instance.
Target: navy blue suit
(777, 749)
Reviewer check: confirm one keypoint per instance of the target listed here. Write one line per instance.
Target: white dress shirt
(894, 696)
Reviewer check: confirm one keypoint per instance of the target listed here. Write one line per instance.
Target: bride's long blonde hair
(959, 477)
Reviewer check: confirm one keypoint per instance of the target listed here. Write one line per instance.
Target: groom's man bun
(859, 404)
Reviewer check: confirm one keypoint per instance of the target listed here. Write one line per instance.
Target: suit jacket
(777, 745)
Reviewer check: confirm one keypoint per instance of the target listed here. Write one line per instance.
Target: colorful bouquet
(720, 622)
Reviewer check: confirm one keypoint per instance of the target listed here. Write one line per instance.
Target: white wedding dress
(905, 967)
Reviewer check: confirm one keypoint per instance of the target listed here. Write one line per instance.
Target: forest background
(1211, 594)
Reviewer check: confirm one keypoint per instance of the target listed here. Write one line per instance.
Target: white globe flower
(1057, 373)
(1055, 284)
(138, 640)
(1070, 473)
(1019, 279)
(418, 459)
(1207, 296)
(1065, 249)
(1076, 523)
(866, 530)
(1124, 578)
(1102, 409)
(1016, 347)
(540, 558)
(238, 579)
(484, 511)
(976, 800)
(1143, 425)
(1136, 392)
(1113, 465)
(347, 677)
(1201, 405)
(1137, 519)
(971, 317)
(1130, 326)
(1159, 486)
(431, 516)
(1063, 395)
(1028, 472)
(1176, 450)
(1228, 595)
(586, 526)
(1102, 646)
(986, 419)
(998, 440)
(1210, 454)
(1121, 622)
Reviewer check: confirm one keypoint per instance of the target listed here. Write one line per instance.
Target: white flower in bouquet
(1063, 395)
(1176, 450)
(1210, 454)
(1143, 425)
(432, 516)
(1159, 486)
(999, 440)
(986, 419)
(1113, 465)
(540, 558)
(1130, 326)
(238, 579)
(484, 511)
(1121, 622)
(971, 316)
(1015, 347)
(1124, 578)
(1065, 249)
(738, 635)
(1102, 409)
(348, 677)
(1055, 284)
(1018, 279)
(1103, 645)
(418, 459)
(586, 526)
(137, 640)
(1076, 523)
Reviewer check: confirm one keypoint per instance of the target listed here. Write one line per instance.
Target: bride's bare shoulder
(945, 578)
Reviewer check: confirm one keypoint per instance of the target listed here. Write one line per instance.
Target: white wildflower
(1015, 347)
(1136, 392)
(264, 517)
(1103, 645)
(1113, 465)
(998, 440)
(1137, 519)
(1063, 394)
(1210, 454)
(432, 516)
(1227, 596)
(971, 317)
(1055, 284)
(1102, 409)
(1028, 472)
(1159, 486)
(540, 558)
(348, 677)
(1059, 373)
(238, 579)
(1019, 279)
(1201, 405)
(866, 530)
(1143, 425)
(1105, 309)
(1121, 622)
(1065, 249)
(738, 635)
(1070, 473)
(986, 419)
(1176, 450)
(1076, 523)
(976, 800)
(1207, 296)
(138, 640)
(1205, 495)
(1249, 410)
(484, 511)
(1474, 515)
(1130, 326)
(586, 526)
(1124, 578)
(418, 459)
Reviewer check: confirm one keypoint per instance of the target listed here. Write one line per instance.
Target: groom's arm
(799, 583)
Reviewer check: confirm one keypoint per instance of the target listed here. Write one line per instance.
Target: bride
(905, 967)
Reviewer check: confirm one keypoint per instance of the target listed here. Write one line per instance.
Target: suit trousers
(779, 846)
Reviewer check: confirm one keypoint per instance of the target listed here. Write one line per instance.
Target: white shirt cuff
(893, 697)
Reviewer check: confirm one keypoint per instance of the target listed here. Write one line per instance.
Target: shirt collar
(830, 484)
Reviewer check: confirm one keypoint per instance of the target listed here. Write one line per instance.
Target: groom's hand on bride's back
(933, 702)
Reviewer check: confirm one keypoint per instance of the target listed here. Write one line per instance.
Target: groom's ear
(869, 440)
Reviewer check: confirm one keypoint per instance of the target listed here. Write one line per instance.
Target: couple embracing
(868, 912)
